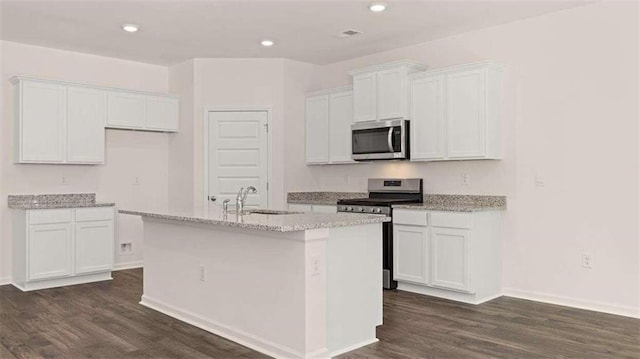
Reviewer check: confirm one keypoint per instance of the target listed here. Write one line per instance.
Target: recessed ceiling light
(130, 27)
(266, 43)
(378, 7)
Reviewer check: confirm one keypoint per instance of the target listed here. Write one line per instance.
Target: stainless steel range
(383, 193)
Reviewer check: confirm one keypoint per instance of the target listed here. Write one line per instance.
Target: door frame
(205, 146)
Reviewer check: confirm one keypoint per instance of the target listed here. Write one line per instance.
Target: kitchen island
(290, 285)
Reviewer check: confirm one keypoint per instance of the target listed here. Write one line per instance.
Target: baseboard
(352, 347)
(128, 265)
(572, 302)
(5, 280)
(249, 340)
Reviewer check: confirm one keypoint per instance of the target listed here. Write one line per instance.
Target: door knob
(212, 198)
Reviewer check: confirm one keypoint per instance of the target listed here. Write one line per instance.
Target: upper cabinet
(128, 110)
(317, 129)
(329, 115)
(381, 92)
(64, 123)
(454, 113)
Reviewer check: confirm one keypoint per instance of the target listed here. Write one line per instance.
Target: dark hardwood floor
(104, 320)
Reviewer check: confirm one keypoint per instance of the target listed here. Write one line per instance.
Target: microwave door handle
(390, 139)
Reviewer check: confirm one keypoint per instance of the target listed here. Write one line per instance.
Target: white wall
(572, 118)
(232, 83)
(129, 154)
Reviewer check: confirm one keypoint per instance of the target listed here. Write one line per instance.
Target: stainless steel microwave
(380, 140)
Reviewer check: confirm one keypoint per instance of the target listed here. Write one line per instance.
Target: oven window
(375, 140)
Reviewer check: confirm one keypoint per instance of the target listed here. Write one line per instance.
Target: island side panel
(255, 289)
(354, 286)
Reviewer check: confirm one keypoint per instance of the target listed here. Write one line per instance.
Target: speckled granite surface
(52, 201)
(266, 222)
(322, 197)
(458, 203)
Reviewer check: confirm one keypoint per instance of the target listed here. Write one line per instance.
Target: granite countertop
(53, 201)
(458, 203)
(294, 221)
(327, 198)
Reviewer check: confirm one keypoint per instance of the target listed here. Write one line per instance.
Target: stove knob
(378, 210)
(373, 210)
(350, 209)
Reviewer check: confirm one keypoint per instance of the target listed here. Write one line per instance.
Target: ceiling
(174, 31)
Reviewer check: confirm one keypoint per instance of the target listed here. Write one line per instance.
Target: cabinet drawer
(450, 220)
(415, 218)
(45, 216)
(94, 214)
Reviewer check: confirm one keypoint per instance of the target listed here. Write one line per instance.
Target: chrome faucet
(242, 197)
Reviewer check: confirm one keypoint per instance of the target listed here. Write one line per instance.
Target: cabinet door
(125, 110)
(428, 129)
(42, 123)
(340, 120)
(391, 94)
(297, 207)
(94, 246)
(49, 251)
(466, 114)
(162, 113)
(364, 97)
(450, 258)
(324, 208)
(86, 119)
(317, 129)
(410, 254)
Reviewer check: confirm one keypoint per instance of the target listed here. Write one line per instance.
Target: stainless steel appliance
(383, 193)
(380, 140)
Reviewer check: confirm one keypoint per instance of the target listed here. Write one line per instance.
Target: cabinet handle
(212, 198)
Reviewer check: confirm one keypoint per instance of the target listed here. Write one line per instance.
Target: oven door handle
(390, 139)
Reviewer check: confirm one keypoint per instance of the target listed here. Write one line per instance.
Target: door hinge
(266, 127)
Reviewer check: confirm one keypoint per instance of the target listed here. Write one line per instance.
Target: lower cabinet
(411, 254)
(57, 247)
(315, 208)
(49, 253)
(94, 246)
(450, 258)
(453, 255)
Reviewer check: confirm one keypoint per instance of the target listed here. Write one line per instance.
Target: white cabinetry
(40, 112)
(125, 110)
(317, 129)
(315, 208)
(57, 247)
(162, 113)
(453, 255)
(329, 115)
(411, 253)
(49, 251)
(380, 92)
(64, 123)
(86, 117)
(455, 113)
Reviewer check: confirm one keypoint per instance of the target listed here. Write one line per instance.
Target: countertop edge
(441, 208)
(262, 227)
(60, 205)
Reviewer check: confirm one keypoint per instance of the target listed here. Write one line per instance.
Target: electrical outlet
(203, 274)
(539, 181)
(136, 181)
(587, 260)
(315, 265)
(64, 180)
(465, 180)
(125, 247)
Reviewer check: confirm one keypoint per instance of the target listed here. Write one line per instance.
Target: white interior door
(238, 156)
